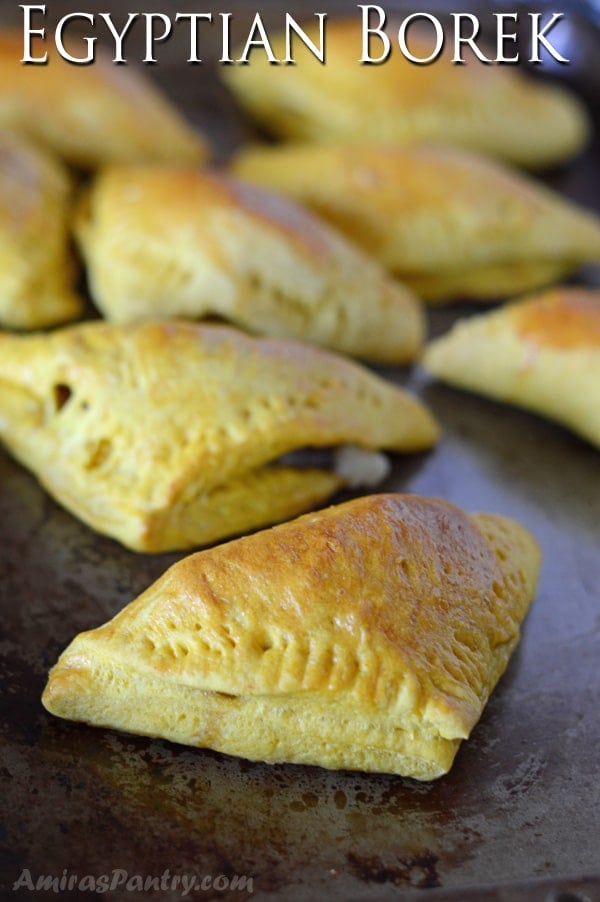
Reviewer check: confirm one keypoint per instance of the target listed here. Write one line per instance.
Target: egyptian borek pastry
(188, 243)
(92, 115)
(494, 109)
(368, 636)
(168, 435)
(541, 353)
(446, 222)
(37, 270)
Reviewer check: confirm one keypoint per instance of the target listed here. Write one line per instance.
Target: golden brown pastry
(368, 636)
(166, 435)
(448, 223)
(190, 243)
(493, 109)
(92, 115)
(541, 353)
(37, 272)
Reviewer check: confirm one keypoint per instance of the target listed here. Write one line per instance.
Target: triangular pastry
(37, 270)
(166, 435)
(494, 109)
(448, 223)
(541, 353)
(368, 636)
(190, 243)
(92, 115)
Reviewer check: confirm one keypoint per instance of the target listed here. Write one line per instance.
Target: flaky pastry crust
(541, 353)
(494, 109)
(92, 115)
(190, 243)
(165, 435)
(37, 269)
(367, 636)
(448, 223)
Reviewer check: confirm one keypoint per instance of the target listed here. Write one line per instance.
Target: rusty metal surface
(518, 817)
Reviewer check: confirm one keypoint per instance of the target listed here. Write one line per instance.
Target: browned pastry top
(378, 595)
(366, 636)
(561, 319)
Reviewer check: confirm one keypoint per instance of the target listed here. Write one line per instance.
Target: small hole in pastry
(264, 644)
(197, 627)
(225, 695)
(99, 453)
(405, 568)
(62, 393)
(231, 641)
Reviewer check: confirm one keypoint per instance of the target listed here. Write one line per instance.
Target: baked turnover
(368, 636)
(448, 223)
(37, 270)
(188, 243)
(92, 115)
(541, 353)
(168, 435)
(493, 109)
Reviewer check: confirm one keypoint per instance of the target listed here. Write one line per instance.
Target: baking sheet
(519, 813)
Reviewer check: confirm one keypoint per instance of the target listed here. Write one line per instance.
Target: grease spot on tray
(418, 871)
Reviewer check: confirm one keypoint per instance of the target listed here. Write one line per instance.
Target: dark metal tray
(516, 819)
